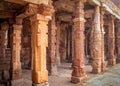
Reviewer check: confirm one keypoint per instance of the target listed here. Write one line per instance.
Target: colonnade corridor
(59, 42)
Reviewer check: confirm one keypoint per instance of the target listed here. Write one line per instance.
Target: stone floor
(109, 78)
(62, 79)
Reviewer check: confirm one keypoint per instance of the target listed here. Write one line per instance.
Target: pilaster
(78, 72)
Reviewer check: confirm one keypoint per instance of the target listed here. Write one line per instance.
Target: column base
(43, 84)
(111, 62)
(103, 67)
(117, 60)
(96, 71)
(77, 79)
(17, 82)
(54, 70)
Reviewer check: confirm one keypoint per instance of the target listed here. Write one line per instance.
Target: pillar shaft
(118, 41)
(16, 72)
(111, 42)
(39, 43)
(78, 72)
(103, 66)
(96, 45)
(52, 67)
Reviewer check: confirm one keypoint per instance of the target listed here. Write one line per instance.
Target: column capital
(40, 17)
(97, 9)
(15, 26)
(4, 26)
(19, 20)
(102, 10)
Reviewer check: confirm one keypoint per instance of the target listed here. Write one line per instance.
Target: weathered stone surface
(78, 60)
(43, 84)
(16, 71)
(17, 82)
(103, 65)
(118, 41)
(39, 43)
(111, 42)
(96, 42)
(52, 60)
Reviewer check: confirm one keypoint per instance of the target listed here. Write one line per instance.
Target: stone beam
(21, 2)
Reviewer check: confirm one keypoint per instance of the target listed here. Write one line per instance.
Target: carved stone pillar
(52, 67)
(39, 43)
(16, 71)
(111, 42)
(103, 66)
(78, 72)
(58, 43)
(118, 40)
(4, 62)
(96, 45)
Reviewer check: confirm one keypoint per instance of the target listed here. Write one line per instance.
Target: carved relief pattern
(16, 48)
(39, 44)
(78, 61)
(96, 43)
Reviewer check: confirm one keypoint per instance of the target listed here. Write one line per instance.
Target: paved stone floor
(109, 78)
(62, 79)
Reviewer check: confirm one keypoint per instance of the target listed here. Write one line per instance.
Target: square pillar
(96, 42)
(39, 43)
(78, 72)
(111, 41)
(16, 70)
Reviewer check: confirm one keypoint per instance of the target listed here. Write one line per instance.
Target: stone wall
(116, 2)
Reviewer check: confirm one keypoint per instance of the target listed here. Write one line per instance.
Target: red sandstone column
(96, 46)
(78, 72)
(52, 67)
(111, 42)
(58, 43)
(4, 62)
(118, 40)
(39, 44)
(103, 66)
(16, 71)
